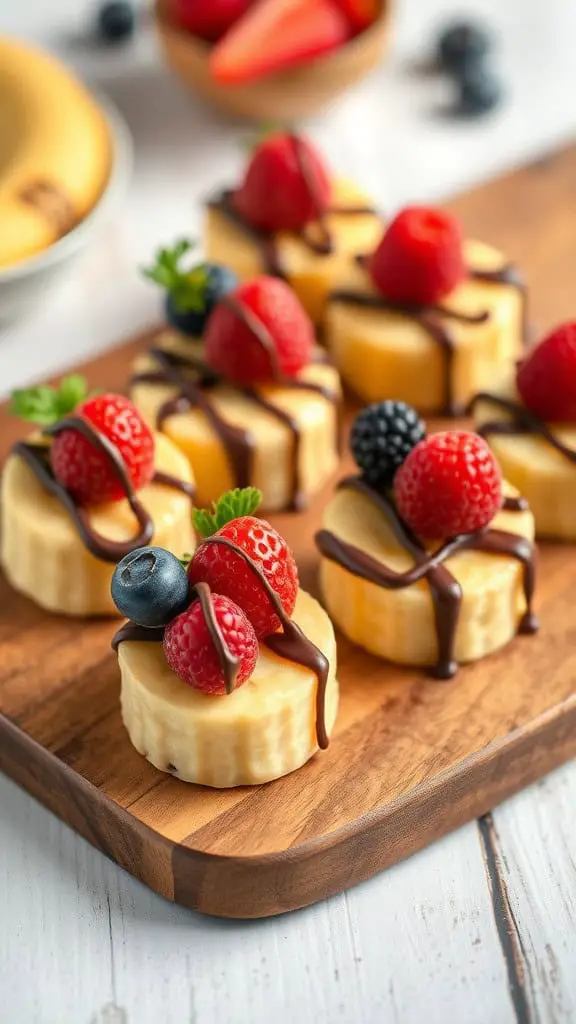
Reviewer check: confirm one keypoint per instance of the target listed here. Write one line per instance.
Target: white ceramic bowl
(22, 285)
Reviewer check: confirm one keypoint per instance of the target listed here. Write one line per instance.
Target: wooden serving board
(411, 758)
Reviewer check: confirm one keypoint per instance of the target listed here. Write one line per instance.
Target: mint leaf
(44, 405)
(242, 501)
(187, 287)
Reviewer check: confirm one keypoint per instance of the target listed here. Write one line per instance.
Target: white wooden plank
(536, 838)
(82, 941)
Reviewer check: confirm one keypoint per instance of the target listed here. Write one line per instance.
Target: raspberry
(275, 194)
(547, 378)
(231, 344)
(85, 471)
(191, 653)
(420, 257)
(227, 573)
(449, 484)
(382, 436)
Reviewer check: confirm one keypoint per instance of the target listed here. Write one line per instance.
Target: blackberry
(382, 436)
(461, 45)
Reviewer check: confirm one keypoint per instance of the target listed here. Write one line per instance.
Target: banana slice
(263, 730)
(545, 476)
(311, 274)
(43, 555)
(383, 354)
(55, 151)
(399, 624)
(287, 471)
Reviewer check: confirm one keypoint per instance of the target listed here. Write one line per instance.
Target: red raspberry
(275, 194)
(228, 573)
(85, 471)
(191, 653)
(450, 483)
(547, 378)
(420, 258)
(231, 345)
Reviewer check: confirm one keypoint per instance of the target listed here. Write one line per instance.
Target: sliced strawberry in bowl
(278, 34)
(208, 19)
(360, 13)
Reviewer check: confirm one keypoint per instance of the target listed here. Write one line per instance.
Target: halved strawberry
(207, 19)
(277, 34)
(360, 13)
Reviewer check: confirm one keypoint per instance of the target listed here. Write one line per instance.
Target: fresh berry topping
(479, 92)
(277, 34)
(192, 292)
(461, 45)
(382, 436)
(262, 334)
(85, 471)
(191, 652)
(116, 21)
(286, 185)
(547, 378)
(449, 484)
(420, 258)
(150, 587)
(45, 405)
(208, 19)
(227, 572)
(360, 13)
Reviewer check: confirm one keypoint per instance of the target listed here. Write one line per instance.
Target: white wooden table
(481, 927)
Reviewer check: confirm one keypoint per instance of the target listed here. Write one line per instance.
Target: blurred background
(396, 132)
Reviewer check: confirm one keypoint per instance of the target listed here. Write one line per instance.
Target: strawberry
(263, 334)
(278, 34)
(85, 471)
(227, 572)
(192, 655)
(420, 258)
(450, 483)
(208, 19)
(546, 379)
(286, 185)
(360, 13)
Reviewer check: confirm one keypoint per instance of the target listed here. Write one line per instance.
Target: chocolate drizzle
(37, 458)
(445, 590)
(194, 381)
(289, 643)
(432, 319)
(523, 422)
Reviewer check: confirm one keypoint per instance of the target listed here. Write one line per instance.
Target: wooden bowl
(286, 96)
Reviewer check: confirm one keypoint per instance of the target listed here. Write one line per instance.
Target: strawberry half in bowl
(279, 59)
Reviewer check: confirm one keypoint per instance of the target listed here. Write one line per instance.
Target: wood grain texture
(411, 758)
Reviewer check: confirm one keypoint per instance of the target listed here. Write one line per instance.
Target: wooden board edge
(274, 883)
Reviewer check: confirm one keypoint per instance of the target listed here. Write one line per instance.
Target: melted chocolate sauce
(289, 643)
(445, 590)
(194, 380)
(523, 422)
(37, 458)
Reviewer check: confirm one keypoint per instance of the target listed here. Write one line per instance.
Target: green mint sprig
(187, 287)
(44, 405)
(242, 501)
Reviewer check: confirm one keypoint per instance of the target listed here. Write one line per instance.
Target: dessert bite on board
(427, 555)
(90, 485)
(227, 667)
(241, 387)
(528, 417)
(425, 316)
(290, 218)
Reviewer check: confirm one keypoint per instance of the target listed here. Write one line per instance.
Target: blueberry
(382, 436)
(479, 91)
(218, 282)
(116, 21)
(150, 587)
(461, 45)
